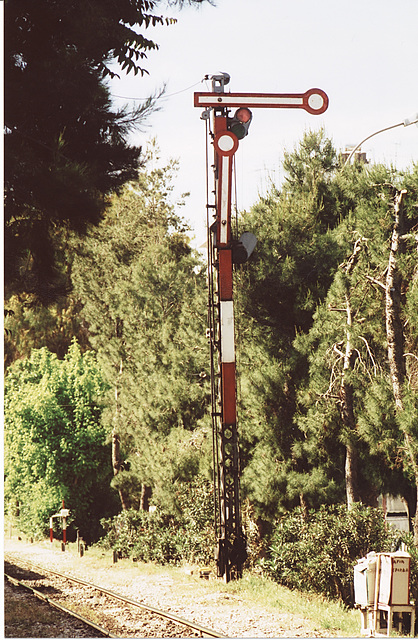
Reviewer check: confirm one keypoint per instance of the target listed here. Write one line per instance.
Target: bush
(166, 538)
(55, 445)
(317, 551)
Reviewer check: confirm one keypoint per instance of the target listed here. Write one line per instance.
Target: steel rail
(59, 606)
(204, 632)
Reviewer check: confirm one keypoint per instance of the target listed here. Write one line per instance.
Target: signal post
(223, 252)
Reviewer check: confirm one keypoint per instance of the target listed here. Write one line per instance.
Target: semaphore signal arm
(314, 101)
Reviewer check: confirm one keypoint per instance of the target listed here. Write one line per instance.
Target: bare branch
(410, 354)
(375, 281)
(336, 309)
(336, 350)
(370, 354)
(352, 260)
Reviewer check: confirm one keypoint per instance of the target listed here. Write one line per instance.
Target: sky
(362, 53)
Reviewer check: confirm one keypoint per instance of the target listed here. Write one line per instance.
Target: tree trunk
(347, 395)
(394, 329)
(116, 457)
(146, 493)
(348, 419)
(351, 483)
(116, 464)
(394, 333)
(304, 505)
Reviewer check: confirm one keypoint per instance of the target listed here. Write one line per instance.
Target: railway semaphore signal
(226, 130)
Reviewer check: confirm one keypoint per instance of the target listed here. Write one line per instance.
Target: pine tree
(279, 289)
(348, 356)
(143, 295)
(319, 422)
(66, 147)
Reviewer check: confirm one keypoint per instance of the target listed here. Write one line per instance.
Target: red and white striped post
(63, 514)
(225, 146)
(231, 541)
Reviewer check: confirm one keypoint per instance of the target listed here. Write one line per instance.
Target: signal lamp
(240, 122)
(243, 248)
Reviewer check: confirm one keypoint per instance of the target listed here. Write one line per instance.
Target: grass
(325, 614)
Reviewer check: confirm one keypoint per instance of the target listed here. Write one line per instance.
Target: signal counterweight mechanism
(223, 252)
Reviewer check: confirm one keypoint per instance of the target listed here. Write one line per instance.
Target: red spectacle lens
(243, 114)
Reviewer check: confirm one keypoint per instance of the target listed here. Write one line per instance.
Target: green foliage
(29, 325)
(140, 301)
(161, 462)
(166, 538)
(277, 294)
(317, 551)
(144, 298)
(352, 316)
(313, 292)
(66, 147)
(55, 445)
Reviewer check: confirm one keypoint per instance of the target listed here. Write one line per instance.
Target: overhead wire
(168, 95)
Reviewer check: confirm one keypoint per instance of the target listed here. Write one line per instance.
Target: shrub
(55, 445)
(166, 538)
(317, 551)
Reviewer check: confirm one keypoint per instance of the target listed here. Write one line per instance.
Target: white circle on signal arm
(226, 143)
(316, 101)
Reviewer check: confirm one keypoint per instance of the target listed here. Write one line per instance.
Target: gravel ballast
(181, 592)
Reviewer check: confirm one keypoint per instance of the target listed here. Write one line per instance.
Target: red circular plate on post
(226, 143)
(315, 101)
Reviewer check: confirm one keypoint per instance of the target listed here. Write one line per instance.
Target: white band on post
(227, 331)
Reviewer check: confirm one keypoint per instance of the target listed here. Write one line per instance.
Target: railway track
(107, 612)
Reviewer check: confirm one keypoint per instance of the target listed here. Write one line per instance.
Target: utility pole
(223, 252)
